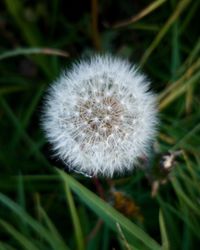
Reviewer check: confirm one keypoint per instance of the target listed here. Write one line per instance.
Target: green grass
(42, 207)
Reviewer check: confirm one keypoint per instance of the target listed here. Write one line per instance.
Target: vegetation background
(154, 209)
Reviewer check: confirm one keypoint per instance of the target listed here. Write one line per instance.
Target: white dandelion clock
(100, 117)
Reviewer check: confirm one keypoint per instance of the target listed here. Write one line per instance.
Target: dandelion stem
(95, 31)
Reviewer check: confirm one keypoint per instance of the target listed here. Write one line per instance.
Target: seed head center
(100, 116)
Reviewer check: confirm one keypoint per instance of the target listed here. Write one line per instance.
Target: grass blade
(109, 214)
(75, 219)
(36, 226)
(163, 230)
(179, 9)
(52, 228)
(5, 246)
(29, 51)
(179, 91)
(24, 241)
(23, 133)
(150, 8)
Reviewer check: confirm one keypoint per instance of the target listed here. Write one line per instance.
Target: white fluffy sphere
(100, 117)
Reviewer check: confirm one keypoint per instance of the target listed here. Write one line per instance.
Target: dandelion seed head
(100, 116)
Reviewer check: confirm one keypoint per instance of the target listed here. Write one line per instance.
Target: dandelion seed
(96, 119)
(107, 118)
(89, 111)
(100, 117)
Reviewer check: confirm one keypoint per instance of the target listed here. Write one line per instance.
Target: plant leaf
(132, 232)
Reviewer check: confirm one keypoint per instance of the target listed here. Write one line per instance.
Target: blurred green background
(154, 209)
